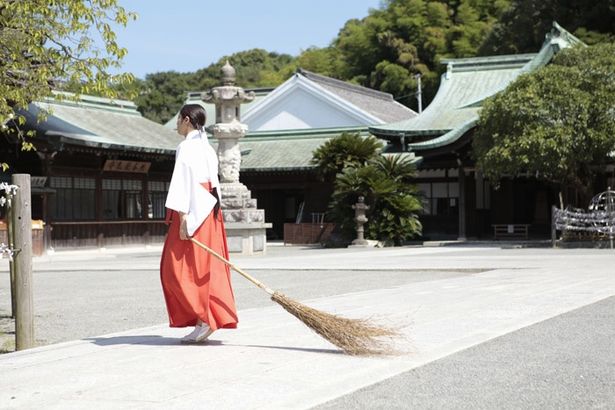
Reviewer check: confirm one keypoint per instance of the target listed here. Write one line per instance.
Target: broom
(354, 336)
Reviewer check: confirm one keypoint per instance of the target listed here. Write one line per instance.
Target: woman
(197, 286)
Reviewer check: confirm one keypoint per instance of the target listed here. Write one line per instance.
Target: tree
(386, 49)
(162, 94)
(557, 123)
(47, 44)
(326, 61)
(521, 29)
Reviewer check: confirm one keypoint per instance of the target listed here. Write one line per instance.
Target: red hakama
(197, 285)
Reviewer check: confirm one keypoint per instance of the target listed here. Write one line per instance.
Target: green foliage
(47, 44)
(393, 200)
(386, 49)
(522, 27)
(348, 149)
(162, 94)
(358, 169)
(556, 123)
(326, 61)
(400, 39)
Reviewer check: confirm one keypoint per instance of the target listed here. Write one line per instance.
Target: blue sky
(186, 35)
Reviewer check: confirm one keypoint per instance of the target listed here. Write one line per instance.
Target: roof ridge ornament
(559, 33)
(449, 71)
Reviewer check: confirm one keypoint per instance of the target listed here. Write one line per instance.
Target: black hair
(195, 113)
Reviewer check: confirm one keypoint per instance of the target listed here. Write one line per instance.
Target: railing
(577, 220)
(76, 234)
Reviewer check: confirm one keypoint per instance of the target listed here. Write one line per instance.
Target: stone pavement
(273, 361)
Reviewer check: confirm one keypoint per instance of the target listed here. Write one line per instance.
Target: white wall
(300, 109)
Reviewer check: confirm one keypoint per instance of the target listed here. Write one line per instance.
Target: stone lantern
(245, 224)
(360, 208)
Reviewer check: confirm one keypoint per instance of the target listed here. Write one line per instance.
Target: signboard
(117, 165)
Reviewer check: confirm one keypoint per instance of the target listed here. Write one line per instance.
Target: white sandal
(199, 334)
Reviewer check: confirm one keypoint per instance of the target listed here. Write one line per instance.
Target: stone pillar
(245, 224)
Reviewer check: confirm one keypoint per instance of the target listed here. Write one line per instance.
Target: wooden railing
(77, 234)
(307, 233)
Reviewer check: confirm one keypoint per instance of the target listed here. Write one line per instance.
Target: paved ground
(485, 328)
(567, 362)
(81, 294)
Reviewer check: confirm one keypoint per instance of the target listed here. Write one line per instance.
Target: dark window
(121, 199)
(439, 198)
(74, 199)
(157, 197)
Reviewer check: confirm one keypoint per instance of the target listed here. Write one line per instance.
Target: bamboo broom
(354, 336)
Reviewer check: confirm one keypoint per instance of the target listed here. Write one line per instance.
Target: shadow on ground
(156, 340)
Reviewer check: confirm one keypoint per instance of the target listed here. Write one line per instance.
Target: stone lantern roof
(229, 74)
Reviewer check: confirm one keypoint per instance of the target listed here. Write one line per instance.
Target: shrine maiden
(197, 286)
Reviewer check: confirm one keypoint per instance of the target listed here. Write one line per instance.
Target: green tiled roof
(463, 88)
(100, 122)
(285, 150)
(278, 154)
(291, 150)
(444, 139)
(103, 123)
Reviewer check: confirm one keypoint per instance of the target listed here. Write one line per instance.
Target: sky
(186, 35)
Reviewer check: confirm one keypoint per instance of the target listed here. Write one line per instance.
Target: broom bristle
(353, 336)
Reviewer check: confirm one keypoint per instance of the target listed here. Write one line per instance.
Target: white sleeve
(180, 188)
(185, 192)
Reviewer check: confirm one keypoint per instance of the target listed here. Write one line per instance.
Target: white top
(195, 162)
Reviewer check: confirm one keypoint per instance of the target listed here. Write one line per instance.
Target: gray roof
(377, 103)
(100, 122)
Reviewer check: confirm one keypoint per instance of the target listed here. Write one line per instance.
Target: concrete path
(564, 363)
(273, 361)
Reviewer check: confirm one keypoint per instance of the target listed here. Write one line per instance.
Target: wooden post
(462, 204)
(22, 234)
(11, 243)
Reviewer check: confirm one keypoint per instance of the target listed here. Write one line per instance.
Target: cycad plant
(394, 204)
(349, 149)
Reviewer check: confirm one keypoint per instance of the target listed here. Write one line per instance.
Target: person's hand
(183, 229)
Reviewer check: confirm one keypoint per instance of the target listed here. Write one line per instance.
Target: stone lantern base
(245, 224)
(247, 239)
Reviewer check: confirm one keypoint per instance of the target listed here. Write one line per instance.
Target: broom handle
(235, 268)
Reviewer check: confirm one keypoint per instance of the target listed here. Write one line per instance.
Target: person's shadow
(157, 340)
